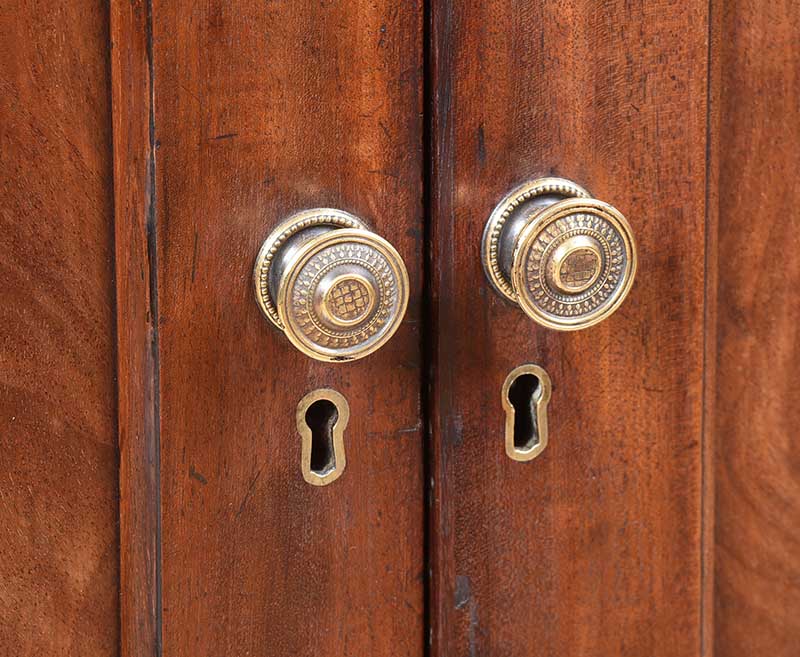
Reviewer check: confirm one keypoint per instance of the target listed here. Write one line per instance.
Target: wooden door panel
(757, 546)
(59, 550)
(260, 110)
(596, 547)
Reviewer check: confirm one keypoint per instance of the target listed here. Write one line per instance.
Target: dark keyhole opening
(524, 394)
(321, 416)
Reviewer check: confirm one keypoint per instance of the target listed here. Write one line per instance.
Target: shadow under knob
(566, 259)
(336, 289)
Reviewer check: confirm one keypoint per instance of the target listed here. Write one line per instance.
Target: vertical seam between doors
(426, 334)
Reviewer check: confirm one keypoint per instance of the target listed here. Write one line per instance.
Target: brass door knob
(336, 289)
(566, 259)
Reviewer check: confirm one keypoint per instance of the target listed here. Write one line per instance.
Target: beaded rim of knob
(503, 210)
(325, 217)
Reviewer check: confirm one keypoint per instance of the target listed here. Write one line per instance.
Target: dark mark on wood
(194, 474)
(247, 494)
(481, 146)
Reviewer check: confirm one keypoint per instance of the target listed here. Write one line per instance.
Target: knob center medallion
(575, 265)
(349, 299)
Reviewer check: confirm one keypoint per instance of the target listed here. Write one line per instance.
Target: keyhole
(321, 417)
(525, 394)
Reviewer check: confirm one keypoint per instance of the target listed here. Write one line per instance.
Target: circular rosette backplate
(283, 234)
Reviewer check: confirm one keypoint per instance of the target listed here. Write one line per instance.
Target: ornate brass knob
(336, 289)
(566, 259)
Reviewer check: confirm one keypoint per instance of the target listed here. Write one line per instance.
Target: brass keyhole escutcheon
(336, 289)
(525, 395)
(566, 259)
(322, 417)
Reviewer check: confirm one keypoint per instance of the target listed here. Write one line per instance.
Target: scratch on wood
(247, 494)
(481, 146)
(194, 257)
(194, 474)
(462, 593)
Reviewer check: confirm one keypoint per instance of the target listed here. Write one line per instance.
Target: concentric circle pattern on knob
(345, 296)
(571, 260)
(574, 264)
(339, 293)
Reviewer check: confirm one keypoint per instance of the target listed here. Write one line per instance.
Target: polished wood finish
(661, 519)
(596, 546)
(58, 459)
(262, 109)
(758, 393)
(137, 332)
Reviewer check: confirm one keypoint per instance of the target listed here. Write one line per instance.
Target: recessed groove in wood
(137, 327)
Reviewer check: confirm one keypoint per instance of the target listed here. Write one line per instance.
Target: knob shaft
(566, 259)
(336, 289)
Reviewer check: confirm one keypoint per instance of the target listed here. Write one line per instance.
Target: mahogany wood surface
(226, 118)
(59, 551)
(595, 547)
(758, 393)
(263, 109)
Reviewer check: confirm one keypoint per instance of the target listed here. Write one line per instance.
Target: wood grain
(58, 457)
(262, 109)
(758, 393)
(137, 332)
(595, 547)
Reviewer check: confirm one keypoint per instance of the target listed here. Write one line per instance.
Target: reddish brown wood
(758, 398)
(711, 290)
(595, 547)
(137, 337)
(58, 461)
(262, 109)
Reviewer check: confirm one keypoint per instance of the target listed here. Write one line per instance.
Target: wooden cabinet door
(229, 117)
(662, 518)
(597, 546)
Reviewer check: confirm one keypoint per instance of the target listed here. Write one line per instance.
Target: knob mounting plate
(514, 208)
